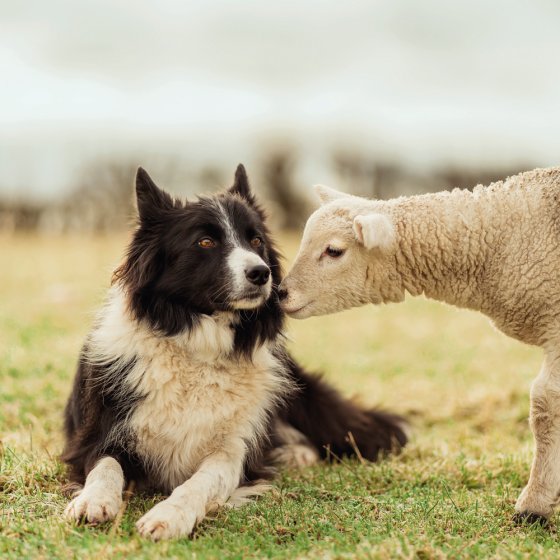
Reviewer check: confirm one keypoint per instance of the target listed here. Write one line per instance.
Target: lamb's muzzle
(289, 301)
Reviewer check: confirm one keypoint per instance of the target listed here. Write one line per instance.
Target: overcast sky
(432, 81)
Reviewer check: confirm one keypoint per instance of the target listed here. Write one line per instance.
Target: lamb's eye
(333, 252)
(206, 243)
(256, 241)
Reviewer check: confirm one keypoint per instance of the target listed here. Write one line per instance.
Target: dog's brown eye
(256, 241)
(206, 243)
(332, 252)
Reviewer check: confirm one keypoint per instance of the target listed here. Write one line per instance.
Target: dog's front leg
(214, 482)
(101, 497)
(537, 500)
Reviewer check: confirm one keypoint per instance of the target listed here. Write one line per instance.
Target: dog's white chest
(192, 407)
(194, 395)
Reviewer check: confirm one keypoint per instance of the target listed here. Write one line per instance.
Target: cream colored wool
(495, 249)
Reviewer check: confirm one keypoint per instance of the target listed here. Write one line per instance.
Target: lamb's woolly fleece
(495, 249)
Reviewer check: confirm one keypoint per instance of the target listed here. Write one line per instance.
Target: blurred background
(377, 97)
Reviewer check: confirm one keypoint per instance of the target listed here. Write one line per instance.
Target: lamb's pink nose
(282, 293)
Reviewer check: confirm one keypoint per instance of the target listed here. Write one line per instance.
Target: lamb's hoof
(530, 518)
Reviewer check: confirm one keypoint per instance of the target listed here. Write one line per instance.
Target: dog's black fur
(170, 284)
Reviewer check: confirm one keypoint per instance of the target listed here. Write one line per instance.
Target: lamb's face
(343, 260)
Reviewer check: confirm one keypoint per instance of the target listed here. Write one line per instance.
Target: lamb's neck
(443, 245)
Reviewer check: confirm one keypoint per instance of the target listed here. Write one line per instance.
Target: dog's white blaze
(239, 261)
(229, 228)
(202, 408)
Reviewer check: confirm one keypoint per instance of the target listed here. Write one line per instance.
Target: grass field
(449, 495)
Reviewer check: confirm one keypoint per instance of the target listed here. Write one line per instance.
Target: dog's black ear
(241, 183)
(149, 197)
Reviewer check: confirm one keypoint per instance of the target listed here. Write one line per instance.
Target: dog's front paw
(93, 507)
(167, 520)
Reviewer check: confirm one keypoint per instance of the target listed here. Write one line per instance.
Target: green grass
(450, 494)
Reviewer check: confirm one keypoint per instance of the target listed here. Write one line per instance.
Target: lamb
(495, 249)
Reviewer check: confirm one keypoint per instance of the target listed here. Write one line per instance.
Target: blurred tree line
(102, 200)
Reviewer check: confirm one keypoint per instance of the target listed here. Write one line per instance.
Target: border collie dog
(184, 385)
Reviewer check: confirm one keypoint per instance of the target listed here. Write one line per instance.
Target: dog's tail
(337, 426)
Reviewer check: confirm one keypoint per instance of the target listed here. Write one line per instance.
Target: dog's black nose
(282, 294)
(258, 275)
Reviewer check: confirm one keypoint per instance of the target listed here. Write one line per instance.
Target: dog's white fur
(101, 497)
(495, 250)
(297, 451)
(239, 261)
(201, 413)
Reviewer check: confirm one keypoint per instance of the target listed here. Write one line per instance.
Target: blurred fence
(102, 200)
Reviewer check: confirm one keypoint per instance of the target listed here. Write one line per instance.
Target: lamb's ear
(241, 183)
(150, 199)
(326, 194)
(374, 231)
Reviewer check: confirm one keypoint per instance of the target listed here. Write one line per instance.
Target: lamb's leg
(101, 497)
(538, 498)
(214, 482)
